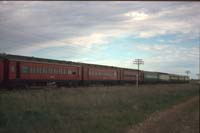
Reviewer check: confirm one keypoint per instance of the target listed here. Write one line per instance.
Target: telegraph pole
(138, 62)
(199, 62)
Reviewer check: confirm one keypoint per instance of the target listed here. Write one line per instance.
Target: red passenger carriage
(100, 74)
(22, 71)
(28, 70)
(130, 76)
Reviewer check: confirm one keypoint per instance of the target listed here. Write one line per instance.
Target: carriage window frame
(40, 70)
(69, 72)
(50, 70)
(74, 72)
(25, 69)
(60, 70)
(12, 69)
(65, 71)
(44, 70)
(33, 70)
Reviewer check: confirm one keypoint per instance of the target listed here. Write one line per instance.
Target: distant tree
(187, 72)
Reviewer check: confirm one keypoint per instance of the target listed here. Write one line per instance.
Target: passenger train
(22, 71)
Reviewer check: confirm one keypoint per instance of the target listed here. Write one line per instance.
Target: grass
(86, 110)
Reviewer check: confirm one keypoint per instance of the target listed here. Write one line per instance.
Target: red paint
(47, 76)
(90, 72)
(100, 73)
(1, 70)
(130, 75)
(12, 74)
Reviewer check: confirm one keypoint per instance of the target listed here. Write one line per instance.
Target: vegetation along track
(87, 110)
(181, 118)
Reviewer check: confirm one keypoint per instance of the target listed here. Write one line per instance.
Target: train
(23, 71)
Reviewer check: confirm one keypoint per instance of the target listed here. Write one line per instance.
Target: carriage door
(18, 70)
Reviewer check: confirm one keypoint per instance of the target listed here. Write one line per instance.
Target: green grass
(86, 110)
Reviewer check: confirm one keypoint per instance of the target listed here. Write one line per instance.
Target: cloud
(136, 15)
(31, 23)
(95, 38)
(152, 48)
(170, 58)
(168, 53)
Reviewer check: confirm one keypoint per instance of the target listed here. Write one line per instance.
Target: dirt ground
(181, 118)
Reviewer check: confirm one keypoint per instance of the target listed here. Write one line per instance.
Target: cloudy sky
(164, 34)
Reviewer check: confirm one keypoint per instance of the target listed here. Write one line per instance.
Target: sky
(115, 33)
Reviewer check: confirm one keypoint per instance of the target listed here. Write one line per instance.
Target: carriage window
(115, 74)
(37, 70)
(25, 69)
(12, 68)
(50, 71)
(65, 71)
(93, 73)
(44, 70)
(57, 71)
(33, 69)
(106, 74)
(69, 72)
(74, 72)
(90, 73)
(40, 70)
(60, 71)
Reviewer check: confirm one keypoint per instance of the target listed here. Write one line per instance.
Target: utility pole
(138, 62)
(199, 56)
(199, 62)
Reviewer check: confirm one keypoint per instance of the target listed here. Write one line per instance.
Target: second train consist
(21, 71)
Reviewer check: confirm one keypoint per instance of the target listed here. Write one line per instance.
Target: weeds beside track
(86, 110)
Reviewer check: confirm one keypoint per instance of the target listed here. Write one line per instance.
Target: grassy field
(86, 110)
